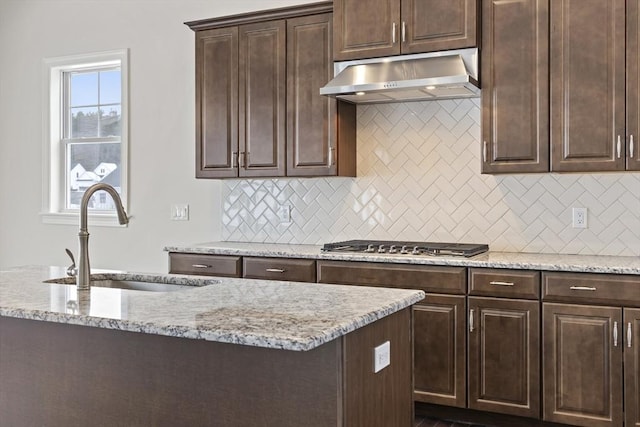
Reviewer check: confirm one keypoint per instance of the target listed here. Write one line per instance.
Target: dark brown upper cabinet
(320, 130)
(633, 85)
(588, 85)
(258, 108)
(515, 86)
(374, 28)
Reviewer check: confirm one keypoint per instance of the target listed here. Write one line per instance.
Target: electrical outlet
(579, 217)
(180, 212)
(381, 357)
(284, 214)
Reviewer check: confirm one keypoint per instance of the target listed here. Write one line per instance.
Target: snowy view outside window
(92, 130)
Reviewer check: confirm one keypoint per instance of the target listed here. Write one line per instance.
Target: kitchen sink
(138, 282)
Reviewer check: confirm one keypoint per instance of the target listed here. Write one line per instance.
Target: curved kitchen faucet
(84, 270)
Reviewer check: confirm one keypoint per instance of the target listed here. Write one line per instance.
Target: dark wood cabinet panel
(374, 28)
(633, 85)
(504, 356)
(205, 265)
(506, 283)
(631, 332)
(587, 85)
(515, 86)
(216, 102)
(439, 332)
(313, 140)
(582, 364)
(432, 25)
(426, 278)
(295, 270)
(258, 108)
(365, 29)
(591, 288)
(262, 98)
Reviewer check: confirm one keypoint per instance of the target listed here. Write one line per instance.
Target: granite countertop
(272, 314)
(515, 260)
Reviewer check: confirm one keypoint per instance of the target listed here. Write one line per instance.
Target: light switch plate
(180, 212)
(381, 357)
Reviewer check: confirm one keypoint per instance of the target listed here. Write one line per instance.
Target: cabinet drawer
(295, 270)
(448, 280)
(205, 265)
(591, 288)
(504, 283)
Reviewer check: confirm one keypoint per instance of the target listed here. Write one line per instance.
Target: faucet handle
(71, 270)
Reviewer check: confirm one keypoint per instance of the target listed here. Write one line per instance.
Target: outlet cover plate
(381, 357)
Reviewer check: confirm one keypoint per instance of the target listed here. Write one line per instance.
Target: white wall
(161, 121)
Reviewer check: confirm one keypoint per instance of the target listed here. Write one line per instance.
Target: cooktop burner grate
(406, 247)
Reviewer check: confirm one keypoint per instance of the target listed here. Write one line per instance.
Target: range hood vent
(422, 77)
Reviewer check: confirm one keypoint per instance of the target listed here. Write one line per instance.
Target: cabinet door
(633, 85)
(515, 86)
(217, 103)
(504, 356)
(631, 332)
(582, 364)
(365, 28)
(439, 350)
(587, 85)
(432, 25)
(311, 117)
(262, 99)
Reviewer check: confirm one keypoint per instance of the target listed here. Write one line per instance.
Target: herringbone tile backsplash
(419, 179)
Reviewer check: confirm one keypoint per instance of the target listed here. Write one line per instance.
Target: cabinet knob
(404, 32)
(629, 334)
(393, 33)
(583, 288)
(200, 266)
(619, 146)
(275, 270)
(615, 334)
(631, 146)
(484, 151)
(471, 320)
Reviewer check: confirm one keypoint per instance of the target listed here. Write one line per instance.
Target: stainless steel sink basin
(138, 282)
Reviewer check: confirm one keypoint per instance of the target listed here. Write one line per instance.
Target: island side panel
(385, 398)
(61, 375)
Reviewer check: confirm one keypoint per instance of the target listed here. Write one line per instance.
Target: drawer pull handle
(275, 270)
(629, 334)
(583, 288)
(471, 320)
(200, 266)
(498, 283)
(615, 334)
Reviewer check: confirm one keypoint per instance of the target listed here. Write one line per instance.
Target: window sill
(100, 220)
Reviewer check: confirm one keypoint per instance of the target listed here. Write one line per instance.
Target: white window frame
(53, 163)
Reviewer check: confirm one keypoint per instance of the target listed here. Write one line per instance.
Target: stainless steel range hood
(437, 75)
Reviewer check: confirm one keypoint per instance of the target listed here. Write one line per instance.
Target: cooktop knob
(393, 249)
(415, 251)
(404, 250)
(381, 249)
(370, 248)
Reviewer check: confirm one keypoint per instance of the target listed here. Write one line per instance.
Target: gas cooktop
(406, 248)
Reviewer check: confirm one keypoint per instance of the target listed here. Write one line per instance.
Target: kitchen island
(235, 352)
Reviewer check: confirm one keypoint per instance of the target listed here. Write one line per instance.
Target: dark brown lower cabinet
(439, 332)
(504, 356)
(582, 364)
(631, 367)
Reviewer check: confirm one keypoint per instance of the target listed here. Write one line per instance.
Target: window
(85, 135)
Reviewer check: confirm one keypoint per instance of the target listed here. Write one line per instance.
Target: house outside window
(86, 135)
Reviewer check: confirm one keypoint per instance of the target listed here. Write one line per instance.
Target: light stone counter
(281, 315)
(516, 260)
